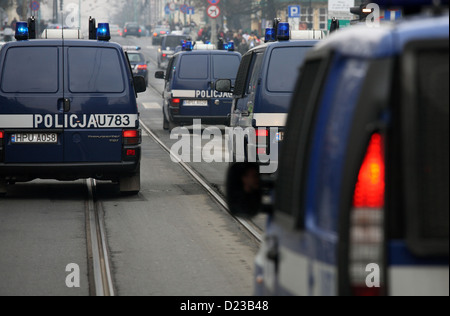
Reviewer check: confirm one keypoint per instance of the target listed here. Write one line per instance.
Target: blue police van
(362, 196)
(262, 94)
(68, 110)
(189, 91)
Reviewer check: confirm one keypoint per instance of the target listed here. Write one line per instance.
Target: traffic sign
(35, 5)
(184, 8)
(214, 2)
(294, 11)
(213, 11)
(190, 10)
(167, 10)
(172, 6)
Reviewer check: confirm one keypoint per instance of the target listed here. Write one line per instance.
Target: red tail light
(369, 190)
(162, 32)
(175, 102)
(367, 220)
(142, 67)
(155, 34)
(131, 152)
(140, 31)
(2, 134)
(125, 30)
(130, 134)
(164, 55)
(262, 132)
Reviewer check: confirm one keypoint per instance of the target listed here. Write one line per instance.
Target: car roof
(208, 52)
(47, 42)
(300, 43)
(386, 40)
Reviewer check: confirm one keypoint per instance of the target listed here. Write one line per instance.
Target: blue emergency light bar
(188, 46)
(230, 46)
(103, 32)
(283, 32)
(22, 32)
(270, 35)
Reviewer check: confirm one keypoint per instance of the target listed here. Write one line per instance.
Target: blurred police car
(189, 91)
(362, 196)
(167, 49)
(68, 110)
(264, 87)
(138, 63)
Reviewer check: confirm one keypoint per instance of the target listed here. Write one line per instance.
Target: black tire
(166, 123)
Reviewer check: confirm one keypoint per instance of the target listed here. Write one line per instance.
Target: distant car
(139, 64)
(132, 29)
(158, 32)
(115, 30)
(168, 45)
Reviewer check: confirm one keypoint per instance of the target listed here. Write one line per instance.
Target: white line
(151, 105)
(205, 185)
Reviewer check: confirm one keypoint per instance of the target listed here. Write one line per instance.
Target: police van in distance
(264, 87)
(189, 91)
(68, 109)
(362, 196)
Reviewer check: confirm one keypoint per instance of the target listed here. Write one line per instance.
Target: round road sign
(35, 5)
(213, 11)
(172, 6)
(214, 2)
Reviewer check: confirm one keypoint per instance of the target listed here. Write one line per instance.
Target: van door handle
(66, 105)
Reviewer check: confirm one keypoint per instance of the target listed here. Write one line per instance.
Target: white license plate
(34, 138)
(195, 103)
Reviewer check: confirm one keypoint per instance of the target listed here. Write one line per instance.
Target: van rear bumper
(68, 171)
(208, 120)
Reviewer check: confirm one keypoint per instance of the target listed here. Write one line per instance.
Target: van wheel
(3, 187)
(130, 185)
(166, 123)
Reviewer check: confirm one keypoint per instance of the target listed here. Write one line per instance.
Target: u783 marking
(85, 120)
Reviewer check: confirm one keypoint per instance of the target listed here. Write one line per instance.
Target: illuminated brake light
(142, 67)
(370, 187)
(155, 34)
(126, 31)
(175, 101)
(130, 134)
(367, 220)
(2, 134)
(140, 31)
(262, 132)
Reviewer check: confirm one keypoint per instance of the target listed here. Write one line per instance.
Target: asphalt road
(171, 239)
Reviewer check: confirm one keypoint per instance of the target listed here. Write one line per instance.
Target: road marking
(151, 105)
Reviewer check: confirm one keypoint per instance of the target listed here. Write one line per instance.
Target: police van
(362, 196)
(189, 91)
(68, 109)
(263, 90)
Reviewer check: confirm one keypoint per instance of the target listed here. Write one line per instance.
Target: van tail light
(155, 34)
(126, 31)
(131, 137)
(367, 220)
(140, 31)
(142, 67)
(262, 141)
(175, 102)
(2, 137)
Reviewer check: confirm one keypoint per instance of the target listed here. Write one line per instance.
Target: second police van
(264, 86)
(189, 91)
(68, 109)
(362, 196)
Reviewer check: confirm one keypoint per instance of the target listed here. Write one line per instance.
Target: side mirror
(139, 84)
(224, 85)
(244, 190)
(160, 75)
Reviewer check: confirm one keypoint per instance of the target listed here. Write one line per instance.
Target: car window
(135, 58)
(194, 67)
(283, 68)
(173, 41)
(23, 63)
(225, 66)
(255, 71)
(96, 70)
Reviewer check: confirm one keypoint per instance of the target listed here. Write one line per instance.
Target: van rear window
(95, 70)
(225, 66)
(31, 70)
(284, 68)
(194, 67)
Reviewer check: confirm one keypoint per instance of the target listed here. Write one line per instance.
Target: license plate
(195, 103)
(34, 138)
